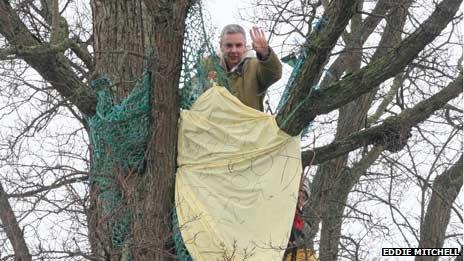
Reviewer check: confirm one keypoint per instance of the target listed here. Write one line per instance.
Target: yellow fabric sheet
(237, 180)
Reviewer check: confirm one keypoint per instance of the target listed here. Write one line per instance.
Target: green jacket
(250, 79)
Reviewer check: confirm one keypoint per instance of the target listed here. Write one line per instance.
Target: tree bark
(445, 189)
(127, 36)
(120, 33)
(318, 50)
(12, 229)
(152, 233)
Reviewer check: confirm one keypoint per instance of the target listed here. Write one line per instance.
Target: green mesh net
(118, 136)
(119, 131)
(296, 62)
(199, 59)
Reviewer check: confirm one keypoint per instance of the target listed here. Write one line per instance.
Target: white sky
(226, 12)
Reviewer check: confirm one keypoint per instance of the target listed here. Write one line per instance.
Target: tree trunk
(119, 37)
(444, 191)
(129, 37)
(120, 32)
(152, 233)
(12, 229)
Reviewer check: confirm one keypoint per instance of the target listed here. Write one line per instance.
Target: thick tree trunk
(444, 191)
(119, 42)
(119, 37)
(152, 233)
(128, 36)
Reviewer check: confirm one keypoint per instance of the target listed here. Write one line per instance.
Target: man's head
(303, 196)
(233, 44)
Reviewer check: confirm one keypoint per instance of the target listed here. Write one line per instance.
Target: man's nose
(234, 49)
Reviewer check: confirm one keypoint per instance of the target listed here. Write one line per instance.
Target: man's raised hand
(259, 42)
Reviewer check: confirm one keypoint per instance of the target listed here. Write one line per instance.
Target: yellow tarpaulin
(237, 180)
(302, 254)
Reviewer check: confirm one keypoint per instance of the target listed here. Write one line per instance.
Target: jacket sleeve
(269, 70)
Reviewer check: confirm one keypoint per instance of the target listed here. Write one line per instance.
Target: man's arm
(269, 71)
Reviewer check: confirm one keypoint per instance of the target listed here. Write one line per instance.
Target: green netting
(118, 137)
(296, 62)
(199, 59)
(119, 131)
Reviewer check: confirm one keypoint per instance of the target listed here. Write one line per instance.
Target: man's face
(233, 48)
(302, 198)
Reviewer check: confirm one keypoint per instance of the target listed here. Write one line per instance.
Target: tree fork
(363, 81)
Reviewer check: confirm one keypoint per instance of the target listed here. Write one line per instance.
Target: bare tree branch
(56, 184)
(393, 129)
(318, 47)
(52, 65)
(363, 81)
(369, 24)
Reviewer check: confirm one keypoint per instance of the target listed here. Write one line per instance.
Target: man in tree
(249, 76)
(300, 228)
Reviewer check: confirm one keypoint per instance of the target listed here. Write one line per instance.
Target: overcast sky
(226, 12)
